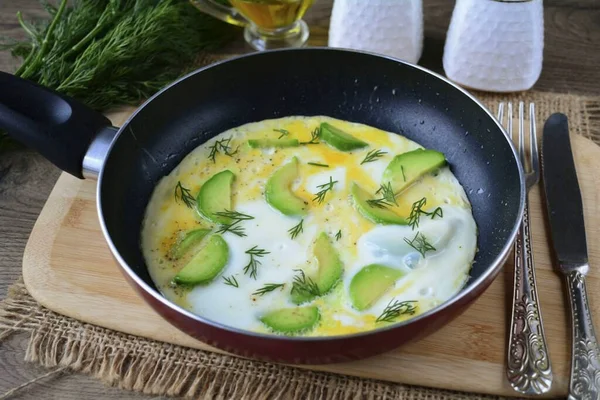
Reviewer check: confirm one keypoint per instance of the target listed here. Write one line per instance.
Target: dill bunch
(107, 53)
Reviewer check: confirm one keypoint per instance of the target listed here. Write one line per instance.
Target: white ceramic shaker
(495, 45)
(389, 27)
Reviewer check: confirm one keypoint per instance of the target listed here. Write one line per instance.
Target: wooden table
(571, 60)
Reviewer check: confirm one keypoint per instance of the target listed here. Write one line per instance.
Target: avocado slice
(339, 139)
(279, 193)
(407, 167)
(267, 143)
(215, 196)
(330, 269)
(373, 213)
(291, 320)
(370, 283)
(206, 264)
(191, 239)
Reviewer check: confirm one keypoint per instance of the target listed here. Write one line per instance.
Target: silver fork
(528, 368)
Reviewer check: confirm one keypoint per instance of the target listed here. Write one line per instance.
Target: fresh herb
(402, 170)
(420, 244)
(234, 215)
(283, 132)
(318, 164)
(379, 203)
(438, 212)
(396, 308)
(296, 230)
(338, 235)
(326, 187)
(303, 284)
(269, 287)
(387, 197)
(234, 226)
(313, 137)
(231, 281)
(373, 155)
(417, 210)
(113, 52)
(182, 193)
(221, 146)
(252, 266)
(387, 193)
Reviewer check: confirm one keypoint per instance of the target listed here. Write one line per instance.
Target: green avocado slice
(206, 264)
(370, 283)
(406, 168)
(373, 213)
(267, 143)
(339, 139)
(329, 272)
(191, 239)
(291, 320)
(215, 196)
(278, 192)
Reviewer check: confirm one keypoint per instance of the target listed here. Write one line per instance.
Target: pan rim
(490, 272)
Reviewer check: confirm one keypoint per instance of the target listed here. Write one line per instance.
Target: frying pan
(360, 87)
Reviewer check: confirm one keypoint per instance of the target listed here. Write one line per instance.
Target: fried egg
(434, 256)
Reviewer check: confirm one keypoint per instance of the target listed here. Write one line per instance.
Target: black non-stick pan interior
(357, 87)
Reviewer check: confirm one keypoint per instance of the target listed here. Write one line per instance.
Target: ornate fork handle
(528, 369)
(585, 363)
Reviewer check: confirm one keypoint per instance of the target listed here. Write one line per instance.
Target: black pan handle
(59, 127)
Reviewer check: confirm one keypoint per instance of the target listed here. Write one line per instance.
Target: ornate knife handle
(528, 368)
(585, 362)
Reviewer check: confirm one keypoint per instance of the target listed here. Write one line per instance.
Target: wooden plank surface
(572, 54)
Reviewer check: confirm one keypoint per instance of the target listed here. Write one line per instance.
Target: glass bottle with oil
(268, 24)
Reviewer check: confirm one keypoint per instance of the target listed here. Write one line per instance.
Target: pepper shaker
(389, 27)
(495, 45)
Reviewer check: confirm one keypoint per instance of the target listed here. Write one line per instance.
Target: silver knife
(565, 213)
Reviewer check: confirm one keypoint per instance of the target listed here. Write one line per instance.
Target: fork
(528, 367)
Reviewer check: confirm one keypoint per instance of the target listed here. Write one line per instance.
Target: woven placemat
(157, 368)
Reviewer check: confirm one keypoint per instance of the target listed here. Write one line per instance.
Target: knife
(565, 213)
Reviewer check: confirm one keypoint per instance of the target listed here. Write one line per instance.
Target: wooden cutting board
(68, 268)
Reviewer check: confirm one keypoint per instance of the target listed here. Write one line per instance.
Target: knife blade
(563, 196)
(565, 213)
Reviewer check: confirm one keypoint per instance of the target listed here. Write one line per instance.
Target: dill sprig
(396, 308)
(338, 235)
(388, 197)
(253, 264)
(313, 137)
(318, 164)
(304, 285)
(379, 203)
(231, 281)
(420, 244)
(113, 52)
(296, 230)
(234, 226)
(387, 193)
(373, 155)
(221, 146)
(402, 170)
(417, 210)
(182, 193)
(326, 187)
(284, 132)
(269, 287)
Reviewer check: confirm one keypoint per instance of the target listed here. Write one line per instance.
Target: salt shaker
(389, 27)
(495, 45)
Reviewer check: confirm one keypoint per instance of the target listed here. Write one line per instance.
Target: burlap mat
(139, 364)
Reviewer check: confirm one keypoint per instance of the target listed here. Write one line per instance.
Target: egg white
(428, 280)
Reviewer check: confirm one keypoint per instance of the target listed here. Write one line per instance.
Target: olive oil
(272, 14)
